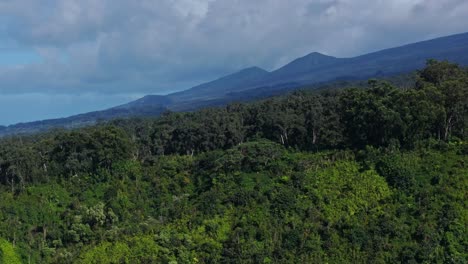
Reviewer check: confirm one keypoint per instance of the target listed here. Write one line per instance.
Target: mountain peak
(253, 69)
(312, 59)
(318, 54)
(318, 57)
(221, 86)
(246, 73)
(309, 62)
(147, 100)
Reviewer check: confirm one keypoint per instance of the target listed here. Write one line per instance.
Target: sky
(64, 57)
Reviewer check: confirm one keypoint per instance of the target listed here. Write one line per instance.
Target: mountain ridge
(221, 85)
(384, 62)
(254, 82)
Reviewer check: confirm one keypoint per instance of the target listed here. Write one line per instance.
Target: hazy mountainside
(221, 86)
(86, 119)
(310, 63)
(316, 67)
(254, 83)
(146, 101)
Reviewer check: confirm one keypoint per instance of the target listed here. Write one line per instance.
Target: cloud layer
(158, 46)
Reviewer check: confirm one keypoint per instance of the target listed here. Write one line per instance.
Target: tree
(8, 253)
(452, 83)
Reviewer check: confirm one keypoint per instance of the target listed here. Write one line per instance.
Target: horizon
(77, 61)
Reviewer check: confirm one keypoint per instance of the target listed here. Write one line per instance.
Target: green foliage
(341, 191)
(141, 249)
(8, 253)
(376, 175)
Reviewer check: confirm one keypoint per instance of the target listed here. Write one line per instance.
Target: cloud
(158, 46)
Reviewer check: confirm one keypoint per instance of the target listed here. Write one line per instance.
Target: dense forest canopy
(375, 175)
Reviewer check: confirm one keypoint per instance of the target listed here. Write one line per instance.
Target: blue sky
(63, 57)
(11, 58)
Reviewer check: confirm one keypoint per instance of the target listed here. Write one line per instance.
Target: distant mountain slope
(85, 119)
(319, 68)
(146, 101)
(382, 63)
(309, 63)
(221, 86)
(254, 83)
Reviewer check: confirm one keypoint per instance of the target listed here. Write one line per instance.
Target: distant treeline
(381, 115)
(359, 175)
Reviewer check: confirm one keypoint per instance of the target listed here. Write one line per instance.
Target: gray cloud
(149, 46)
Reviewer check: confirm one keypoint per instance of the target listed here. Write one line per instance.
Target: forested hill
(376, 175)
(312, 70)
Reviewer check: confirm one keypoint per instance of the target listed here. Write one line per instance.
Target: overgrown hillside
(377, 175)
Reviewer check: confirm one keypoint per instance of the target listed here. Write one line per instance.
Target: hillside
(220, 87)
(374, 175)
(382, 63)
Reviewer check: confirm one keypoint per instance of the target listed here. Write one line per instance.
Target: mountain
(253, 83)
(309, 63)
(319, 68)
(146, 101)
(221, 86)
(316, 67)
(85, 119)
